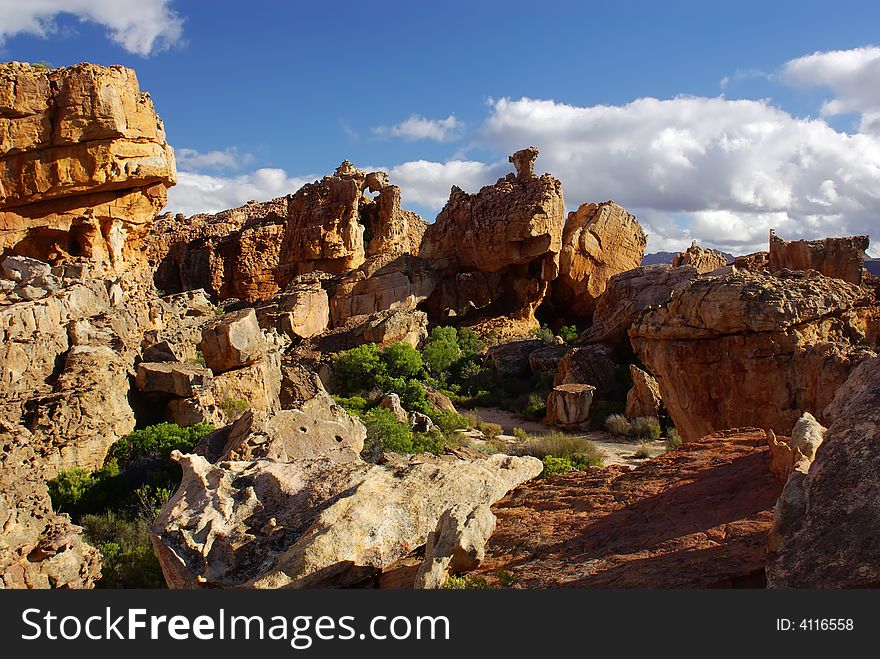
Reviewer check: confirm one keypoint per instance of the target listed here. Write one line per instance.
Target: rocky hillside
(288, 393)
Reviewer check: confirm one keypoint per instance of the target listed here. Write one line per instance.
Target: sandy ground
(616, 450)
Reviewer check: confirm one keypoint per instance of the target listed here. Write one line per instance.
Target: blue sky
(708, 120)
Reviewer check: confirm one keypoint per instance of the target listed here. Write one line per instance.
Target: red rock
(841, 258)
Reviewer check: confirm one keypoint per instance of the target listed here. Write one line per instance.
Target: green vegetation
(646, 427)
(198, 360)
(116, 503)
(234, 407)
(673, 440)
(561, 453)
(644, 451)
(569, 333)
(386, 433)
(618, 424)
(466, 582)
(520, 434)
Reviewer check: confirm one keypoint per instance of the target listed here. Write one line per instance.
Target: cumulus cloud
(852, 75)
(203, 193)
(139, 26)
(229, 158)
(418, 127)
(427, 183)
(726, 170)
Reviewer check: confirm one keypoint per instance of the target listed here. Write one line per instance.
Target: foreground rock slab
(696, 517)
(313, 523)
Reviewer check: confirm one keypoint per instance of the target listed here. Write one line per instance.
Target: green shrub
(72, 491)
(199, 359)
(579, 450)
(557, 465)
(544, 333)
(447, 421)
(441, 349)
(673, 440)
(569, 333)
(386, 433)
(358, 369)
(157, 441)
(466, 582)
(127, 558)
(536, 406)
(356, 405)
(520, 434)
(491, 430)
(644, 451)
(646, 427)
(234, 407)
(472, 418)
(403, 361)
(618, 424)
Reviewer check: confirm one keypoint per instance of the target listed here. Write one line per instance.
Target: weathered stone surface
(749, 347)
(546, 359)
(254, 387)
(696, 517)
(841, 258)
(234, 341)
(627, 296)
(38, 548)
(313, 522)
(391, 402)
(591, 364)
(598, 242)
(511, 360)
(832, 544)
(84, 163)
(458, 544)
(252, 252)
(173, 378)
(701, 259)
(305, 311)
(643, 399)
(569, 404)
(395, 326)
(508, 235)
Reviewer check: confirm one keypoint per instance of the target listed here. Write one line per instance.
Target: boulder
(643, 399)
(254, 387)
(391, 402)
(316, 522)
(701, 259)
(546, 360)
(234, 341)
(750, 347)
(395, 326)
(182, 380)
(421, 422)
(305, 311)
(830, 539)
(569, 404)
(598, 242)
(841, 258)
(458, 544)
(511, 360)
(593, 365)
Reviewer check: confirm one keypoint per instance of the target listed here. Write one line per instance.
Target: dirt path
(616, 450)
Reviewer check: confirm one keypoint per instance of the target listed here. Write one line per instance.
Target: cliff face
(841, 258)
(84, 164)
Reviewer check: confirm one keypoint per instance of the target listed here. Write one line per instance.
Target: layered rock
(749, 347)
(701, 259)
(497, 249)
(253, 251)
(841, 258)
(569, 404)
(627, 296)
(598, 242)
(643, 398)
(313, 522)
(832, 542)
(84, 163)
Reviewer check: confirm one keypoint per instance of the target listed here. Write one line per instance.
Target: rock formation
(497, 249)
(569, 404)
(701, 259)
(83, 165)
(598, 242)
(593, 365)
(643, 399)
(832, 543)
(841, 258)
(749, 347)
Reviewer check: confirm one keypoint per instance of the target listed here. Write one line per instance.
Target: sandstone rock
(233, 342)
(643, 399)
(313, 522)
(569, 404)
(755, 261)
(511, 360)
(750, 347)
(84, 163)
(598, 242)
(592, 364)
(421, 422)
(305, 312)
(832, 543)
(392, 402)
(701, 259)
(396, 326)
(254, 387)
(546, 359)
(440, 400)
(696, 517)
(511, 232)
(458, 544)
(841, 258)
(627, 296)
(172, 378)
(298, 384)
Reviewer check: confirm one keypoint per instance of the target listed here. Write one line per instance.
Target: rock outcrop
(253, 251)
(841, 258)
(458, 544)
(598, 242)
(643, 398)
(749, 347)
(313, 522)
(233, 341)
(593, 365)
(84, 164)
(569, 405)
(832, 542)
(497, 249)
(701, 259)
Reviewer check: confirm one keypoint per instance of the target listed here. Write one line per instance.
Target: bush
(569, 333)
(447, 421)
(127, 555)
(234, 407)
(544, 333)
(491, 430)
(386, 433)
(403, 361)
(646, 427)
(356, 405)
(358, 369)
(536, 406)
(644, 451)
(465, 582)
(575, 452)
(618, 424)
(157, 441)
(472, 418)
(557, 465)
(673, 440)
(520, 434)
(442, 350)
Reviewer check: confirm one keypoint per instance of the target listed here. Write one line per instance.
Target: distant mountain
(873, 266)
(658, 258)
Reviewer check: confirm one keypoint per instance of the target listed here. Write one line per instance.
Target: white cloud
(421, 128)
(852, 75)
(202, 193)
(727, 170)
(139, 26)
(229, 158)
(428, 183)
